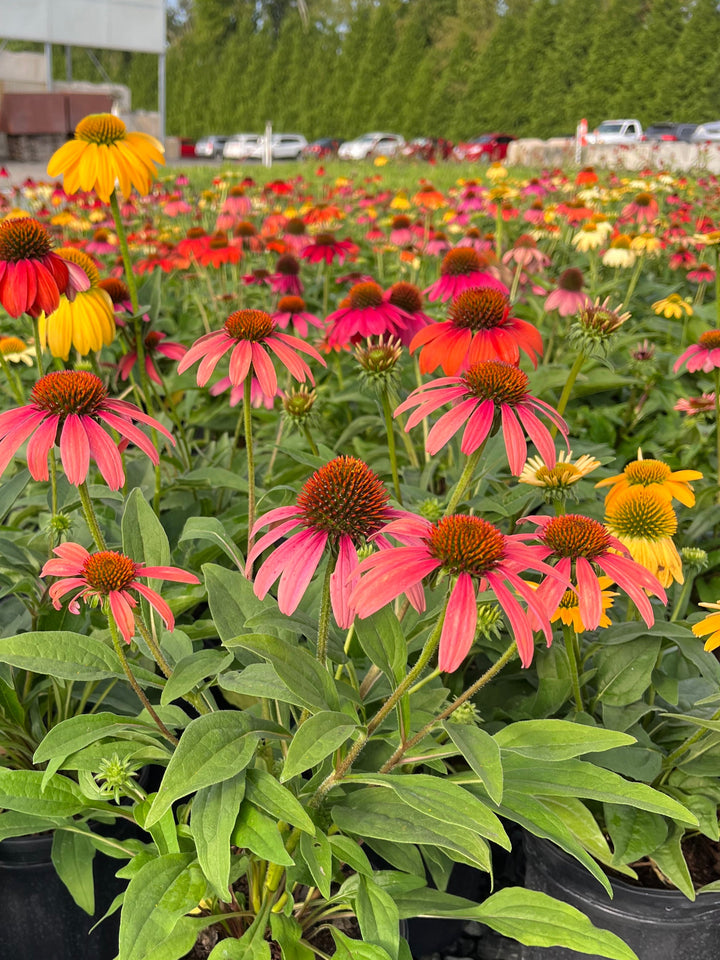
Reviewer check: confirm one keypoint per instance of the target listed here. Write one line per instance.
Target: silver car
(706, 132)
(240, 145)
(210, 147)
(371, 145)
(283, 146)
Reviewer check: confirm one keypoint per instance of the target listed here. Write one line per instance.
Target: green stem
(498, 230)
(515, 283)
(247, 420)
(633, 280)
(133, 682)
(465, 478)
(125, 252)
(567, 389)
(682, 600)
(419, 382)
(672, 758)
(390, 432)
(509, 654)
(36, 334)
(309, 438)
(90, 516)
(717, 284)
(324, 618)
(717, 425)
(572, 648)
(11, 379)
(422, 661)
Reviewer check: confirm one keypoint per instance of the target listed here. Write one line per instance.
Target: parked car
(187, 147)
(619, 132)
(283, 146)
(421, 148)
(669, 131)
(239, 145)
(486, 148)
(371, 145)
(706, 132)
(211, 146)
(324, 147)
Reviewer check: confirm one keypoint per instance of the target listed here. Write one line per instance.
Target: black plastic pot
(39, 917)
(657, 924)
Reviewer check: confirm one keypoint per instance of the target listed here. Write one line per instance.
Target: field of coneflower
(489, 404)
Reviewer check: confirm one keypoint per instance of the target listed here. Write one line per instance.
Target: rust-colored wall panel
(79, 105)
(28, 113)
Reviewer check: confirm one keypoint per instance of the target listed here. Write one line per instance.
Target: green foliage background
(450, 68)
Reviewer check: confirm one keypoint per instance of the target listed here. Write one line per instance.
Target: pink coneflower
(176, 205)
(526, 253)
(569, 297)
(367, 313)
(400, 231)
(245, 234)
(437, 244)
(250, 334)
(325, 247)
(691, 406)
(110, 578)
(479, 327)
(103, 241)
(408, 299)
(295, 235)
(702, 273)
(75, 405)
(475, 239)
(703, 355)
(259, 277)
(471, 199)
(286, 279)
(491, 394)
(258, 398)
(461, 269)
(643, 208)
(577, 542)
(237, 202)
(340, 506)
(154, 345)
(535, 214)
(32, 277)
(479, 556)
(291, 311)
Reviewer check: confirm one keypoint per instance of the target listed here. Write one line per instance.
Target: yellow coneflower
(85, 323)
(654, 475)
(560, 477)
(673, 307)
(103, 152)
(647, 243)
(568, 611)
(644, 521)
(710, 625)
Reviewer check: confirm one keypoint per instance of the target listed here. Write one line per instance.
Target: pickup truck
(617, 132)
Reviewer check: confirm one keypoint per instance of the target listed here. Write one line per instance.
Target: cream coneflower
(15, 350)
(85, 323)
(620, 253)
(588, 238)
(558, 479)
(644, 521)
(103, 152)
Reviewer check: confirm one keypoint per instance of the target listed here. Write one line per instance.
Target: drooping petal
(299, 571)
(264, 369)
(458, 630)
(156, 602)
(343, 581)
(515, 444)
(39, 446)
(123, 614)
(387, 574)
(589, 594)
(478, 427)
(518, 619)
(75, 449)
(106, 454)
(448, 425)
(268, 539)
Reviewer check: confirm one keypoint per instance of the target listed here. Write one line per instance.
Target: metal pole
(161, 96)
(267, 146)
(48, 66)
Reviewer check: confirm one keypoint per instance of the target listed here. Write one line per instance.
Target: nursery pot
(656, 924)
(40, 918)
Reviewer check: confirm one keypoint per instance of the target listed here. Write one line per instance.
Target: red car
(187, 147)
(485, 149)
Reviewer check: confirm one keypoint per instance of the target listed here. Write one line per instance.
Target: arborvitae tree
(553, 106)
(446, 114)
(355, 41)
(412, 42)
(688, 84)
(372, 67)
(239, 75)
(412, 111)
(322, 106)
(142, 78)
(664, 24)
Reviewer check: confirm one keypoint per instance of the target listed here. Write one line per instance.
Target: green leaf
(144, 539)
(264, 791)
(697, 721)
(384, 643)
(210, 528)
(259, 680)
(163, 831)
(248, 947)
(442, 800)
(427, 902)
(213, 748)
(75, 733)
(671, 862)
(11, 490)
(317, 854)
(537, 920)
(575, 816)
(346, 850)
(375, 812)
(159, 894)
(261, 835)
(349, 949)
(180, 941)
(482, 754)
(378, 916)
(624, 671)
(577, 778)
(288, 933)
(634, 833)
(318, 737)
(189, 671)
(231, 600)
(297, 669)
(13, 824)
(22, 791)
(214, 812)
(553, 740)
(61, 654)
(72, 855)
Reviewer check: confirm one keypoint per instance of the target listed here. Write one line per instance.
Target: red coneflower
(479, 556)
(460, 269)
(291, 311)
(479, 327)
(32, 277)
(217, 251)
(491, 394)
(286, 279)
(325, 247)
(154, 345)
(110, 578)
(250, 334)
(643, 208)
(340, 507)
(408, 299)
(365, 312)
(578, 543)
(75, 405)
(569, 297)
(703, 355)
